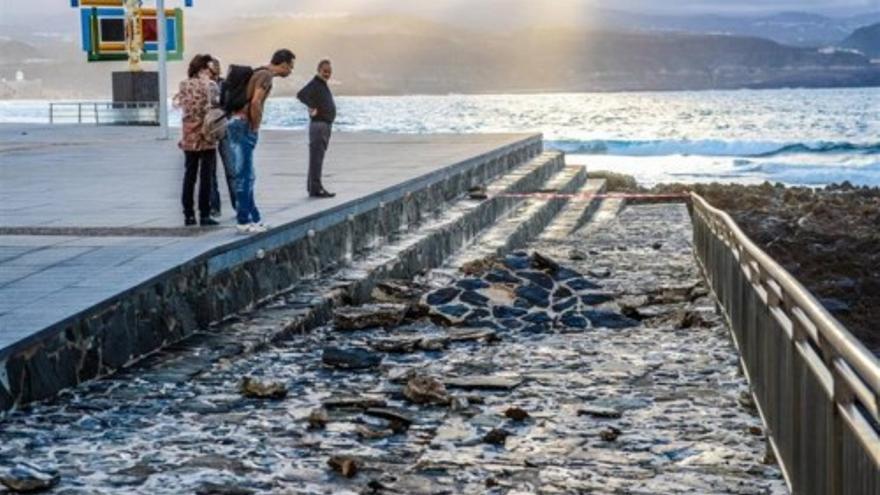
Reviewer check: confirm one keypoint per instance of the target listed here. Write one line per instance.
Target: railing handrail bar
(844, 344)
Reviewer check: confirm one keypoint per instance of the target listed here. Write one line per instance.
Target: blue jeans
(242, 142)
(229, 171)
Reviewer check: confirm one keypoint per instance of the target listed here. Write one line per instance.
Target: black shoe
(189, 221)
(208, 222)
(323, 193)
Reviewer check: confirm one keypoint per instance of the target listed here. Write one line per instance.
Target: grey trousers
(319, 140)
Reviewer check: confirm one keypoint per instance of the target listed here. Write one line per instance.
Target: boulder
(369, 316)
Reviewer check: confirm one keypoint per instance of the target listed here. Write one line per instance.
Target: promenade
(89, 213)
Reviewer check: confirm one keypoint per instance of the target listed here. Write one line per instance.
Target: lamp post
(162, 39)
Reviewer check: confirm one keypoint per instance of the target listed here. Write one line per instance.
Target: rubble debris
(369, 316)
(422, 389)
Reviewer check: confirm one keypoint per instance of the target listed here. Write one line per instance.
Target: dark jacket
(316, 94)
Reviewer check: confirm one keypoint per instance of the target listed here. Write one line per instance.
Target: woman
(197, 94)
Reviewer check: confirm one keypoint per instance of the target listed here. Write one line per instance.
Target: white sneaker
(258, 228)
(243, 228)
(264, 225)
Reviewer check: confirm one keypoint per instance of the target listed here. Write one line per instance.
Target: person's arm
(307, 97)
(256, 108)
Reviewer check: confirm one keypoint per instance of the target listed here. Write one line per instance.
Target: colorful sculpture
(116, 30)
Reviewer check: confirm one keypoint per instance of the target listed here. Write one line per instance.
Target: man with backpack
(246, 93)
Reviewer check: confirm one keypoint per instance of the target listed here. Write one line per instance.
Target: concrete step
(605, 211)
(576, 212)
(525, 222)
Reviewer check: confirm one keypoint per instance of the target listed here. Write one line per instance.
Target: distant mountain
(405, 55)
(865, 40)
(790, 28)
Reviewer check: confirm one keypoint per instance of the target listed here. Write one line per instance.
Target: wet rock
(369, 316)
(208, 488)
(474, 299)
(544, 263)
(580, 283)
(574, 320)
(28, 478)
(486, 382)
(596, 299)
(395, 416)
(472, 284)
(344, 465)
(318, 419)
(350, 359)
(442, 296)
(577, 255)
(472, 334)
(254, 389)
(423, 389)
(538, 278)
(516, 263)
(565, 304)
(498, 436)
(396, 291)
(608, 319)
(478, 267)
(600, 412)
(502, 312)
(367, 433)
(610, 434)
(516, 414)
(534, 295)
(353, 403)
(499, 276)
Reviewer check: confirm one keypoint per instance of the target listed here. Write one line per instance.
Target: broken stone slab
(28, 478)
(544, 263)
(486, 382)
(396, 292)
(368, 433)
(393, 415)
(350, 359)
(422, 389)
(408, 344)
(353, 403)
(471, 334)
(478, 267)
(344, 465)
(600, 412)
(254, 389)
(369, 316)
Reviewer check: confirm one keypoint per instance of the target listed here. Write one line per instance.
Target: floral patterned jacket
(196, 96)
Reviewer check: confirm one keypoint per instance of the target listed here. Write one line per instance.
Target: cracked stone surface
(651, 408)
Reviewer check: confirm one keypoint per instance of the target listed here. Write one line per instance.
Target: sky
(14, 11)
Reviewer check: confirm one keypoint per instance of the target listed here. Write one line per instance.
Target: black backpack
(234, 95)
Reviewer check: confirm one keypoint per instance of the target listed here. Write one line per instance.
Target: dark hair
(324, 62)
(198, 64)
(283, 56)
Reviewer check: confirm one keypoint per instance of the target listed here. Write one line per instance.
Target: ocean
(794, 136)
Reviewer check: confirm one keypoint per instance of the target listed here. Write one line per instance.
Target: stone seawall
(202, 291)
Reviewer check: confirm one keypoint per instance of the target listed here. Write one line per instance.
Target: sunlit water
(811, 137)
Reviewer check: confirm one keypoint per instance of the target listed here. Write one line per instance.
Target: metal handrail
(848, 372)
(104, 112)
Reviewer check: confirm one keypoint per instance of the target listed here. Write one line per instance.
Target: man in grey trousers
(317, 97)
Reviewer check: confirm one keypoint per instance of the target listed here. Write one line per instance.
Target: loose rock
(27, 478)
(253, 389)
(497, 436)
(423, 389)
(318, 419)
(600, 412)
(344, 465)
(517, 414)
(610, 434)
(483, 382)
(350, 359)
(369, 316)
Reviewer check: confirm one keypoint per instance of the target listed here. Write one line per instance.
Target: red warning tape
(555, 195)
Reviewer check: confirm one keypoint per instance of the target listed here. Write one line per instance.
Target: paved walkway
(653, 408)
(105, 202)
